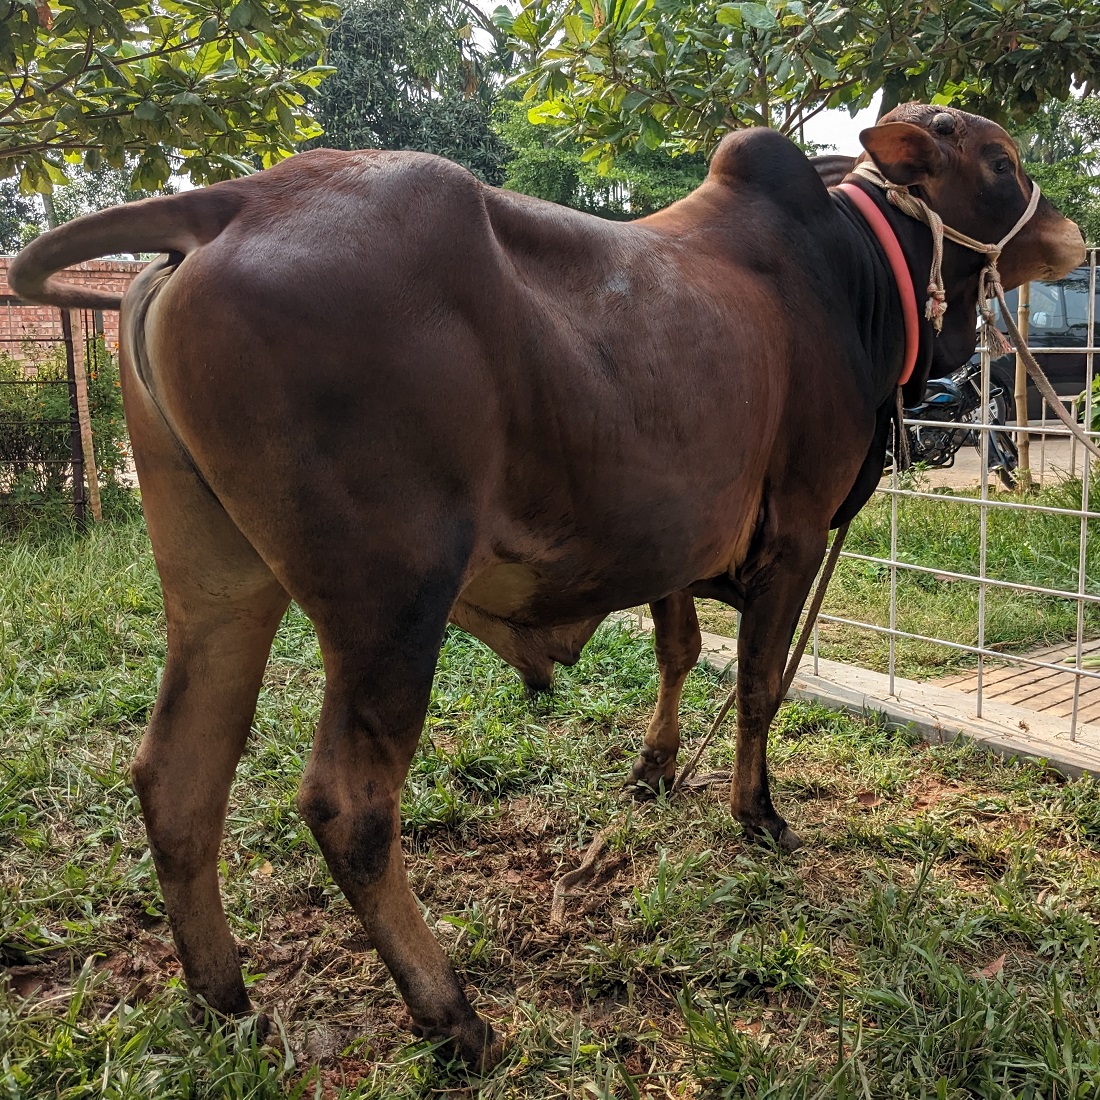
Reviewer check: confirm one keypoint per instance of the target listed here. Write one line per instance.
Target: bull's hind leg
(772, 606)
(677, 642)
(380, 638)
(223, 606)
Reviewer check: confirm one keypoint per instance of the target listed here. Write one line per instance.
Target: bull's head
(969, 171)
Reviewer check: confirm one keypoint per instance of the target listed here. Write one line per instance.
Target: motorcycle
(957, 400)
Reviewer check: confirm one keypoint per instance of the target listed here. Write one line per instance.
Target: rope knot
(936, 306)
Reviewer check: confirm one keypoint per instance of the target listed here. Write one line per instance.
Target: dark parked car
(1059, 319)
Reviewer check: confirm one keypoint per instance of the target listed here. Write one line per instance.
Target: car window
(1077, 305)
(1047, 310)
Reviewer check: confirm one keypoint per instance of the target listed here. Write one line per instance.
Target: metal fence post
(1023, 438)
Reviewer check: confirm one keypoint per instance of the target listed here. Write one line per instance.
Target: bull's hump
(766, 162)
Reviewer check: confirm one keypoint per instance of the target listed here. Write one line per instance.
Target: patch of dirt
(333, 1076)
(927, 793)
(143, 966)
(28, 981)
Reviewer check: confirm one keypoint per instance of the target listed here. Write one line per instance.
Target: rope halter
(989, 282)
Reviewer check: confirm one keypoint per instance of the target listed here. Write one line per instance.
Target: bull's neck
(875, 294)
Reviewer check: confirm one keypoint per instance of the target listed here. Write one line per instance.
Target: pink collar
(889, 241)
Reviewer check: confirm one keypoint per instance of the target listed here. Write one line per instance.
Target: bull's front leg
(677, 643)
(776, 595)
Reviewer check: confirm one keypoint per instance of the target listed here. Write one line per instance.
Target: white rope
(990, 279)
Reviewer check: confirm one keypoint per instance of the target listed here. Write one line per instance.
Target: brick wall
(23, 325)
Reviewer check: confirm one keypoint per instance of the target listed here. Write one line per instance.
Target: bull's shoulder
(766, 162)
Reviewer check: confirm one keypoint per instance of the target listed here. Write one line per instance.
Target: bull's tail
(169, 223)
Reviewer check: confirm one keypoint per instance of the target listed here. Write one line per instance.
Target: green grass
(1023, 547)
(693, 965)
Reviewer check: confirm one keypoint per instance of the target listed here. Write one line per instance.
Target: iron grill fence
(1083, 593)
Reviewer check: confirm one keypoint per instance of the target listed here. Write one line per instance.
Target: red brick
(20, 320)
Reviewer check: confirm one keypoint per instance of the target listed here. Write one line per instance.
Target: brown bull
(367, 383)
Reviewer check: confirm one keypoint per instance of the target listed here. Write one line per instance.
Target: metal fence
(43, 454)
(1081, 593)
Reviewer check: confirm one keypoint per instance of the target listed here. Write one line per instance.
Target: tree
(20, 219)
(204, 88)
(638, 183)
(678, 74)
(412, 75)
(1061, 147)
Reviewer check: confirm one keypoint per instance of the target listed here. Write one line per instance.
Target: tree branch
(18, 97)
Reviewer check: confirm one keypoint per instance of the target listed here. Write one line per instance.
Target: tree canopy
(678, 74)
(203, 88)
(411, 74)
(638, 183)
(1061, 147)
(20, 218)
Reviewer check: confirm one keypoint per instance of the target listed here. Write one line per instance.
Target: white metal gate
(1081, 595)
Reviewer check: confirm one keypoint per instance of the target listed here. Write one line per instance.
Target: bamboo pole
(76, 451)
(90, 471)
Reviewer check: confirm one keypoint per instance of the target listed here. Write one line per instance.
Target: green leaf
(525, 28)
(653, 133)
(759, 16)
(1062, 31)
(730, 15)
(285, 116)
(240, 15)
(823, 66)
(547, 111)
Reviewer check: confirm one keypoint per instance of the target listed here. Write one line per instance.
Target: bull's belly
(534, 620)
(531, 650)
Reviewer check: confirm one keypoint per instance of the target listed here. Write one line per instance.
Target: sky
(839, 130)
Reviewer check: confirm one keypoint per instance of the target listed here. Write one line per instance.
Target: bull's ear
(904, 153)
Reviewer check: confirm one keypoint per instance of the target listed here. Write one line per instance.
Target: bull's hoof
(472, 1040)
(490, 1054)
(652, 770)
(780, 836)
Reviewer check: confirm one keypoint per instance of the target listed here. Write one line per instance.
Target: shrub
(35, 468)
